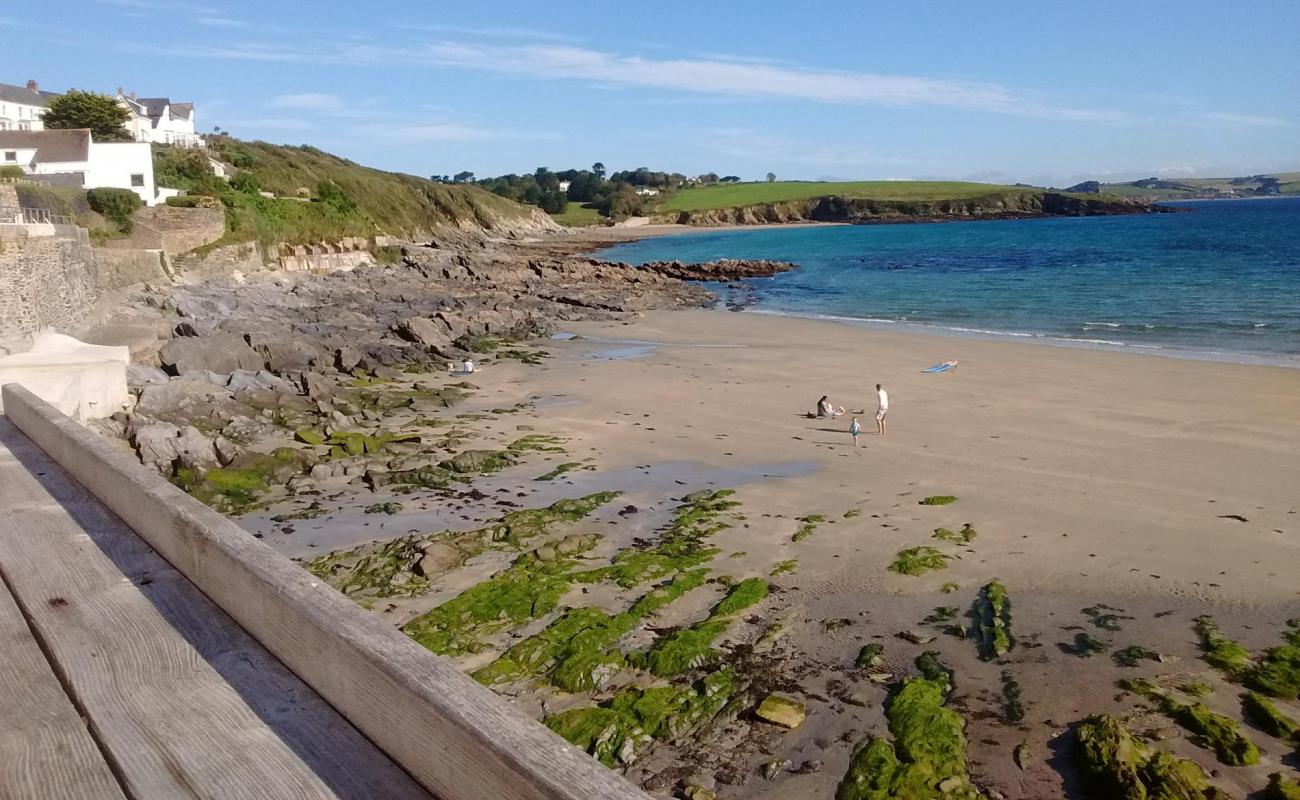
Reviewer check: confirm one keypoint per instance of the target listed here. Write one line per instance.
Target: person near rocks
(882, 409)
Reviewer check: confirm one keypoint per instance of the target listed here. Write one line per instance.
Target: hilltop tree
(771, 177)
(463, 177)
(103, 115)
(598, 169)
(729, 179)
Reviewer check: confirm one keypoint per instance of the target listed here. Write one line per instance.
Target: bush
(245, 182)
(115, 204)
(188, 169)
(193, 201)
(11, 171)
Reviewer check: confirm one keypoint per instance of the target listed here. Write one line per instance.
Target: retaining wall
(48, 279)
(454, 736)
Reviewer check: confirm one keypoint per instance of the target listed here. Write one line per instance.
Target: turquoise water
(1220, 281)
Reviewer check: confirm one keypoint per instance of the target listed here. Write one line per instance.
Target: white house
(73, 157)
(160, 121)
(21, 107)
(564, 185)
(647, 191)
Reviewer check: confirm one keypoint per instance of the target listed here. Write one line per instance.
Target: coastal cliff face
(1010, 205)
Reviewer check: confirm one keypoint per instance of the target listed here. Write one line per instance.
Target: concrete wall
(455, 737)
(122, 267)
(176, 230)
(113, 164)
(48, 279)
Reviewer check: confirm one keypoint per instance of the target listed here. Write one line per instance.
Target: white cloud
(308, 101)
(499, 32)
(267, 123)
(744, 78)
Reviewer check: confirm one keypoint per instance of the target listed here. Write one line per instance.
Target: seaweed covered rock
(1116, 766)
(991, 615)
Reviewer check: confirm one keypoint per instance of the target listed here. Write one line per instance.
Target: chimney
(33, 86)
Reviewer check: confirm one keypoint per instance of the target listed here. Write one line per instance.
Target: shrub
(116, 204)
(182, 168)
(11, 171)
(193, 201)
(245, 182)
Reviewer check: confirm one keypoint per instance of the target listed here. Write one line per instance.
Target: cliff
(999, 205)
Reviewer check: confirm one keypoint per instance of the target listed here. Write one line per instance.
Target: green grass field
(576, 216)
(734, 195)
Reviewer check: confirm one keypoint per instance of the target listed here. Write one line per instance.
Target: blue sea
(1219, 281)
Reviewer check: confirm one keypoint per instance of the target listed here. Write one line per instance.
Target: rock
(180, 400)
(951, 784)
(880, 677)
(860, 699)
(322, 472)
(424, 331)
(699, 793)
(293, 356)
(916, 637)
(318, 386)
(726, 269)
(783, 711)
(775, 767)
(164, 447)
(545, 553)
(247, 380)
(227, 451)
(220, 352)
(471, 461)
(808, 767)
(701, 780)
(346, 358)
(439, 557)
(138, 375)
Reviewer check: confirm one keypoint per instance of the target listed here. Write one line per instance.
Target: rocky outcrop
(726, 269)
(999, 205)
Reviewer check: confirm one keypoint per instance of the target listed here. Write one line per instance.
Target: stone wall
(219, 262)
(48, 279)
(176, 230)
(119, 268)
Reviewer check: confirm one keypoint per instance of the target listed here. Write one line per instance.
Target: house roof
(52, 146)
(154, 106)
(21, 94)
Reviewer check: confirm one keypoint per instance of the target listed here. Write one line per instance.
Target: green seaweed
(389, 507)
(784, 567)
(537, 443)
(1085, 646)
(1105, 617)
(918, 561)
(871, 655)
(1210, 730)
(807, 526)
(1281, 787)
(938, 500)
(965, 536)
(692, 648)
(991, 616)
(1221, 651)
(558, 470)
(312, 511)
(617, 729)
(1116, 766)
(1196, 689)
(1276, 673)
(1132, 655)
(679, 547)
(1013, 710)
(238, 488)
(742, 596)
(928, 751)
(1269, 719)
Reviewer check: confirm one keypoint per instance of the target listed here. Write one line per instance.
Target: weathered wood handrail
(454, 736)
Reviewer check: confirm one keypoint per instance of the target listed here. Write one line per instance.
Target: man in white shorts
(882, 408)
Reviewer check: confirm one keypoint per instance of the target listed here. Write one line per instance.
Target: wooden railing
(33, 216)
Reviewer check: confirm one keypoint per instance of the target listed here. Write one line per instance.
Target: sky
(1041, 92)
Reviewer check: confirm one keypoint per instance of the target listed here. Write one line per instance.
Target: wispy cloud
(1235, 120)
(746, 78)
(765, 148)
(492, 32)
(308, 101)
(221, 22)
(268, 123)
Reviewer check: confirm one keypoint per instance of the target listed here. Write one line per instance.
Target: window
(137, 180)
(24, 126)
(11, 155)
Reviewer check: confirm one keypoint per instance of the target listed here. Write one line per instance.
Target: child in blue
(855, 430)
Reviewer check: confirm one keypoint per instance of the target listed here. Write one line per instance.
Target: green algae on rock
(784, 568)
(1276, 673)
(1269, 719)
(558, 470)
(692, 648)
(1210, 730)
(1280, 787)
(1221, 651)
(991, 615)
(537, 443)
(1085, 646)
(238, 487)
(1012, 708)
(617, 729)
(871, 655)
(1132, 655)
(1116, 766)
(679, 547)
(927, 758)
(965, 536)
(918, 561)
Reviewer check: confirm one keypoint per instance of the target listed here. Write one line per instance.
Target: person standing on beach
(882, 408)
(855, 430)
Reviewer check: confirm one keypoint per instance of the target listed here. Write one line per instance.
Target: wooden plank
(45, 749)
(456, 737)
(183, 702)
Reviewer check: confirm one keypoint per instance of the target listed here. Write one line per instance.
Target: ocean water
(1220, 281)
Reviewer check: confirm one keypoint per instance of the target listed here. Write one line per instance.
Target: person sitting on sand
(855, 430)
(827, 409)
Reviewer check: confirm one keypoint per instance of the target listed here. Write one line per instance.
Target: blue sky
(1041, 92)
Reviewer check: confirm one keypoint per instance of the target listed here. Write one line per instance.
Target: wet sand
(1091, 477)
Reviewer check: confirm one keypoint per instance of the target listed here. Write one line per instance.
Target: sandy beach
(1155, 489)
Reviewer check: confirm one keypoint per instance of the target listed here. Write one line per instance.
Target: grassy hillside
(734, 195)
(1284, 183)
(321, 197)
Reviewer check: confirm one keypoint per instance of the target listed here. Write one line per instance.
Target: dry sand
(1091, 477)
